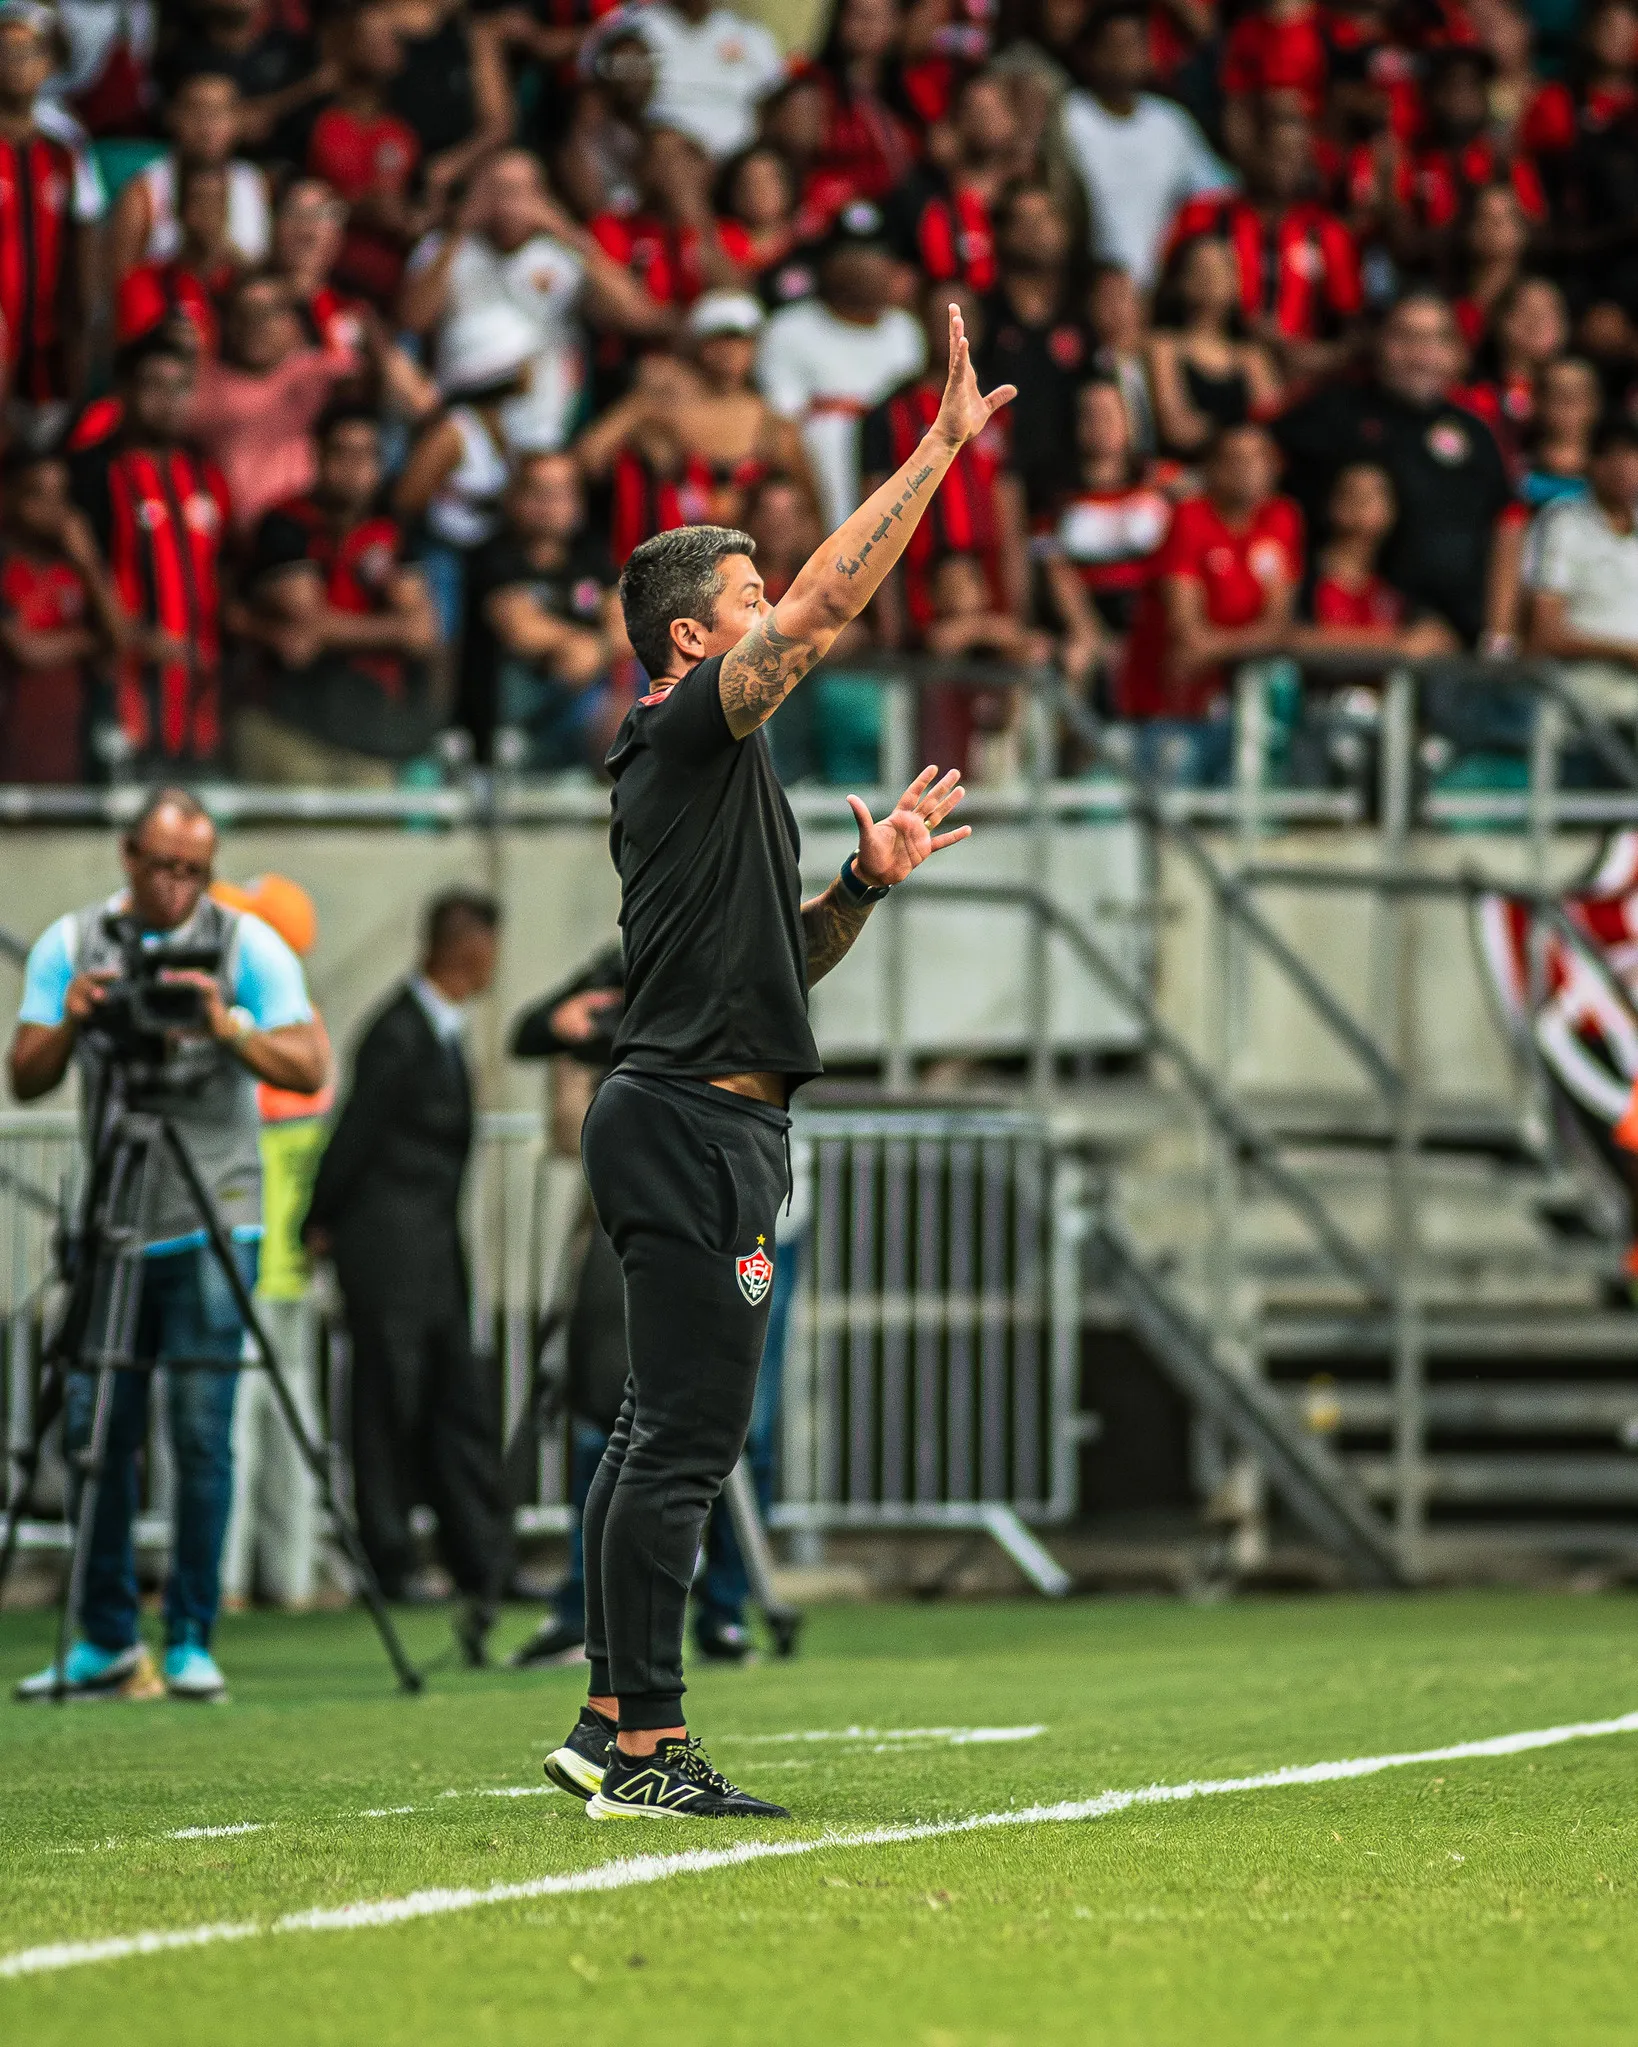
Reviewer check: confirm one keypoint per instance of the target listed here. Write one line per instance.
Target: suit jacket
(389, 1185)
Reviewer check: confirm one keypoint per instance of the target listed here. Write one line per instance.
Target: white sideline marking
(216, 1833)
(957, 1737)
(627, 1872)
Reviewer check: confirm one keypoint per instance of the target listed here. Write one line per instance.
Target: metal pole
(1039, 738)
(1409, 1364)
(898, 744)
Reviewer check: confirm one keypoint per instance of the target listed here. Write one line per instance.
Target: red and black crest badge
(755, 1274)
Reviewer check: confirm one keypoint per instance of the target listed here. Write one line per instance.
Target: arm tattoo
(851, 565)
(760, 673)
(831, 924)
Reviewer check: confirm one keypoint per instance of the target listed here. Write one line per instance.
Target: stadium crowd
(349, 347)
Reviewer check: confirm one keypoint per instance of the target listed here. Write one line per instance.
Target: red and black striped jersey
(945, 230)
(37, 238)
(153, 294)
(964, 517)
(645, 502)
(161, 515)
(1298, 267)
(1433, 184)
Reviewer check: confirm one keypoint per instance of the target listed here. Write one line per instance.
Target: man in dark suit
(386, 1208)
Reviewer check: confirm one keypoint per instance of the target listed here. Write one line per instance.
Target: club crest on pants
(755, 1273)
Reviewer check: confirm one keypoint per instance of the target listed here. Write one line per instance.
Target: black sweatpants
(687, 1180)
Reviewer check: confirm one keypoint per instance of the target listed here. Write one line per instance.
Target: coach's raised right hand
(964, 411)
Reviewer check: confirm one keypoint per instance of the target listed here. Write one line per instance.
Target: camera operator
(254, 1023)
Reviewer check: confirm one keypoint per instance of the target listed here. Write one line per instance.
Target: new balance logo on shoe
(676, 1782)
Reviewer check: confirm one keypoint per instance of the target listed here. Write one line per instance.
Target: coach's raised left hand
(910, 833)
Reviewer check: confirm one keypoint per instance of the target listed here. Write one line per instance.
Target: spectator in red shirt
(1535, 117)
(975, 729)
(1529, 329)
(1277, 46)
(871, 139)
(979, 511)
(795, 121)
(183, 293)
(759, 223)
(1352, 604)
(160, 513)
(672, 244)
(58, 614)
(1606, 85)
(1224, 592)
(1099, 544)
(368, 154)
(1203, 370)
(1495, 238)
(1419, 193)
(942, 219)
(348, 629)
(1300, 287)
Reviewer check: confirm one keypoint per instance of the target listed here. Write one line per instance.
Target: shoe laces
(688, 1759)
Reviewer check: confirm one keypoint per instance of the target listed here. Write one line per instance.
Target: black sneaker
(553, 1642)
(677, 1782)
(577, 1767)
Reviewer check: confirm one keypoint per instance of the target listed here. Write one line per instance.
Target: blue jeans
(724, 1591)
(187, 1311)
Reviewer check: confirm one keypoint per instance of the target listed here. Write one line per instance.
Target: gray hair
(675, 575)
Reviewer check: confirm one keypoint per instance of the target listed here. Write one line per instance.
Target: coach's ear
(688, 637)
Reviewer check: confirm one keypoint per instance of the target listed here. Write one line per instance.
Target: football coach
(686, 1144)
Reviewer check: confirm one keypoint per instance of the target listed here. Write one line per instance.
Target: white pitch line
(957, 1737)
(885, 1739)
(628, 1872)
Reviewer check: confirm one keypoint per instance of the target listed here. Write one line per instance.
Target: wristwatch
(858, 891)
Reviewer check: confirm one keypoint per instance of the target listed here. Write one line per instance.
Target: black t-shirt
(1047, 363)
(1447, 473)
(574, 591)
(711, 898)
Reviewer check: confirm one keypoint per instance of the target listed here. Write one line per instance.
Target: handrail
(1235, 903)
(1467, 883)
(1256, 1151)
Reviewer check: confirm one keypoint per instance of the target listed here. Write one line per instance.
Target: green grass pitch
(1489, 1900)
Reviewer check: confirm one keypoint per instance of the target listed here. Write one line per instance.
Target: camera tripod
(131, 1130)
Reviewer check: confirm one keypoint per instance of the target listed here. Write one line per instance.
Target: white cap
(725, 312)
(484, 345)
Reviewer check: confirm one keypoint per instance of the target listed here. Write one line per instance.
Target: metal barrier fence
(931, 1380)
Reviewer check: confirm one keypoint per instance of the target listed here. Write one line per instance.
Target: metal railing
(933, 1367)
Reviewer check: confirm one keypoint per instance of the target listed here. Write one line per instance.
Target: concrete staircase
(1495, 1411)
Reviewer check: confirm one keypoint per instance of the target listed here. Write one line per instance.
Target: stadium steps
(1529, 1404)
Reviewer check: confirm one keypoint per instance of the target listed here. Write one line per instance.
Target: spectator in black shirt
(277, 71)
(548, 634)
(1032, 337)
(1446, 470)
(349, 631)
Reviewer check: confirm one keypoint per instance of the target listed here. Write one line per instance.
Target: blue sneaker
(95, 1673)
(191, 1672)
